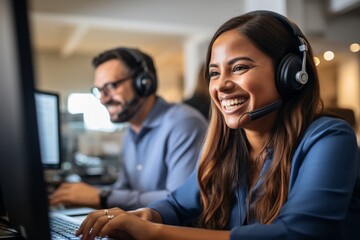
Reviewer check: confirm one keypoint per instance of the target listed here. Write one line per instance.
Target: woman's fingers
(93, 224)
(112, 222)
(98, 226)
(88, 223)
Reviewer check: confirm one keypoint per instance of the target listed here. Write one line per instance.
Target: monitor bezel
(21, 173)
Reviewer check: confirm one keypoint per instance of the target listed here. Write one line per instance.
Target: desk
(76, 212)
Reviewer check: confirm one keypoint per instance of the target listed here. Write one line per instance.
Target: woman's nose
(224, 84)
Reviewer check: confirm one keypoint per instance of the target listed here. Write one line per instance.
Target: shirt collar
(155, 115)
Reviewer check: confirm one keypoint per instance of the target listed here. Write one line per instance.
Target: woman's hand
(148, 214)
(119, 224)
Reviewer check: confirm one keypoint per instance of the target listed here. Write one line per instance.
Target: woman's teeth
(230, 104)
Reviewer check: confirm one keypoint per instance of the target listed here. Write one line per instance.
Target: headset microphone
(130, 109)
(258, 113)
(134, 105)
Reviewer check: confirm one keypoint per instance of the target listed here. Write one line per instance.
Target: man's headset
(144, 82)
(291, 75)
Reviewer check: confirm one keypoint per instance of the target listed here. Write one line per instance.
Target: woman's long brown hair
(225, 162)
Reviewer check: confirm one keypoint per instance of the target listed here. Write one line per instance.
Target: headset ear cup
(286, 75)
(144, 84)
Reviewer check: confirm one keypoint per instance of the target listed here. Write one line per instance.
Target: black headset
(291, 75)
(144, 82)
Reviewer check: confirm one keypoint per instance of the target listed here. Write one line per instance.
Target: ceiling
(165, 28)
(160, 27)
(87, 27)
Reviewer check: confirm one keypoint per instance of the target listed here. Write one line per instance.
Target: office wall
(74, 74)
(63, 75)
(328, 83)
(349, 85)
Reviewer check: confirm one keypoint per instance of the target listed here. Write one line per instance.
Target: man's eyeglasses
(108, 87)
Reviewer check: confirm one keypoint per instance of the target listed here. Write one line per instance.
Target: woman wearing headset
(273, 165)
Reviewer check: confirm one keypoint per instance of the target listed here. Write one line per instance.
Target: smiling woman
(241, 73)
(289, 173)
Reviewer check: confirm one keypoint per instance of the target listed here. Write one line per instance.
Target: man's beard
(129, 110)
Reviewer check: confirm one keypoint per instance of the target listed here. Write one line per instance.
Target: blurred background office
(67, 34)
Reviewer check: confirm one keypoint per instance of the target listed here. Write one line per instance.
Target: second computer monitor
(48, 119)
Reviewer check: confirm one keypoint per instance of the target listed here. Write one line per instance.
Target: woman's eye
(213, 74)
(238, 68)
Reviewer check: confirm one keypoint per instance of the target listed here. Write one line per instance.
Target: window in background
(96, 117)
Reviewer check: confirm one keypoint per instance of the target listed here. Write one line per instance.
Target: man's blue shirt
(160, 157)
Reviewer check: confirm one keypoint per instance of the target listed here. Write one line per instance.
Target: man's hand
(76, 194)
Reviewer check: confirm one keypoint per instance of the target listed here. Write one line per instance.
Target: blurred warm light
(317, 61)
(329, 55)
(96, 117)
(355, 47)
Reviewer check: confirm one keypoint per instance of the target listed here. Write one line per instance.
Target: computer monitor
(48, 120)
(21, 172)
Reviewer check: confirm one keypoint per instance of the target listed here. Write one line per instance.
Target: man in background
(160, 147)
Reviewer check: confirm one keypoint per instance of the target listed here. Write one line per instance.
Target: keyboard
(63, 227)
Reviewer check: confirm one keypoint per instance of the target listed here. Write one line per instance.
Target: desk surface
(73, 212)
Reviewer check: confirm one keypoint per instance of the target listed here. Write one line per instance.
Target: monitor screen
(48, 119)
(21, 172)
